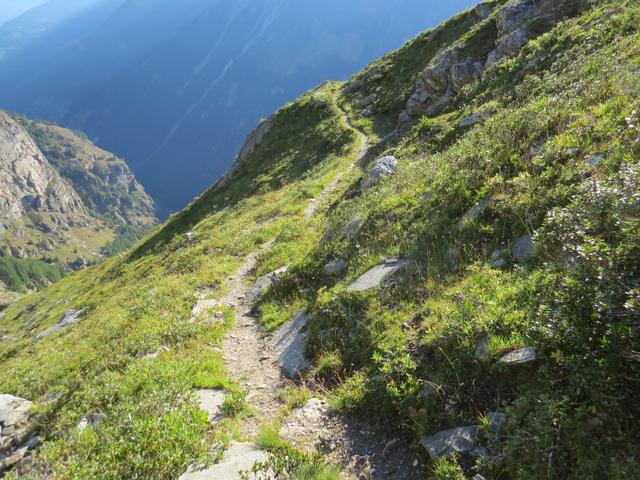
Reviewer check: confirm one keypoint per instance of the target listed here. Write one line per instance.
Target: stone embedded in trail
(523, 248)
(16, 430)
(377, 276)
(204, 306)
(335, 267)
(240, 457)
(288, 343)
(69, 318)
(382, 167)
(462, 442)
(520, 356)
(264, 283)
(211, 401)
(304, 424)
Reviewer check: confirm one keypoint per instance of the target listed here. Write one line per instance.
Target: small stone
(90, 420)
(462, 442)
(496, 421)
(335, 267)
(595, 160)
(473, 119)
(520, 356)
(352, 229)
(523, 248)
(482, 348)
(499, 259)
(474, 212)
(428, 390)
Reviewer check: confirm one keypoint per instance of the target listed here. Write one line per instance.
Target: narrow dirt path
(361, 452)
(329, 189)
(247, 355)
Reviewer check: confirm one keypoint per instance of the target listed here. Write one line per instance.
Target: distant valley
(174, 87)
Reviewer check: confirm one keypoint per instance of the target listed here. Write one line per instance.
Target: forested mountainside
(63, 203)
(428, 271)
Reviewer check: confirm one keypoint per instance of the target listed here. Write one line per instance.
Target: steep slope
(470, 283)
(171, 86)
(62, 200)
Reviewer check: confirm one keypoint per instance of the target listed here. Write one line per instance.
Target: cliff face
(28, 182)
(104, 182)
(62, 199)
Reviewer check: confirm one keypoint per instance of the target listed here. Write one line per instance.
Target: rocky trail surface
(253, 360)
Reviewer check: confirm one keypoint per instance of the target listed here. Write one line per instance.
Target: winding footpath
(250, 360)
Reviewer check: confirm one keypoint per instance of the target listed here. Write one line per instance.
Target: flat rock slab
(288, 343)
(240, 457)
(211, 401)
(204, 306)
(377, 276)
(520, 357)
(69, 318)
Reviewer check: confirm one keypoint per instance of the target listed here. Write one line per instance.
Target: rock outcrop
(16, 430)
(28, 183)
(69, 318)
(511, 28)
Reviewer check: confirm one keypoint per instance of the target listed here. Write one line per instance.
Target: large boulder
(377, 276)
(288, 343)
(382, 167)
(238, 458)
(17, 429)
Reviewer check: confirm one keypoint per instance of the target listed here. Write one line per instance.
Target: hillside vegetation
(514, 209)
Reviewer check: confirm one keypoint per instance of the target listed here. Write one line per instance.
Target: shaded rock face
(288, 343)
(253, 140)
(515, 23)
(28, 183)
(16, 430)
(382, 167)
(240, 457)
(69, 318)
(377, 276)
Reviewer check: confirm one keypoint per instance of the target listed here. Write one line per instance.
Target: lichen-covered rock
(16, 430)
(382, 167)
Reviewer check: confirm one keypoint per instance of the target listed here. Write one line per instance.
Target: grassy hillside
(555, 157)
